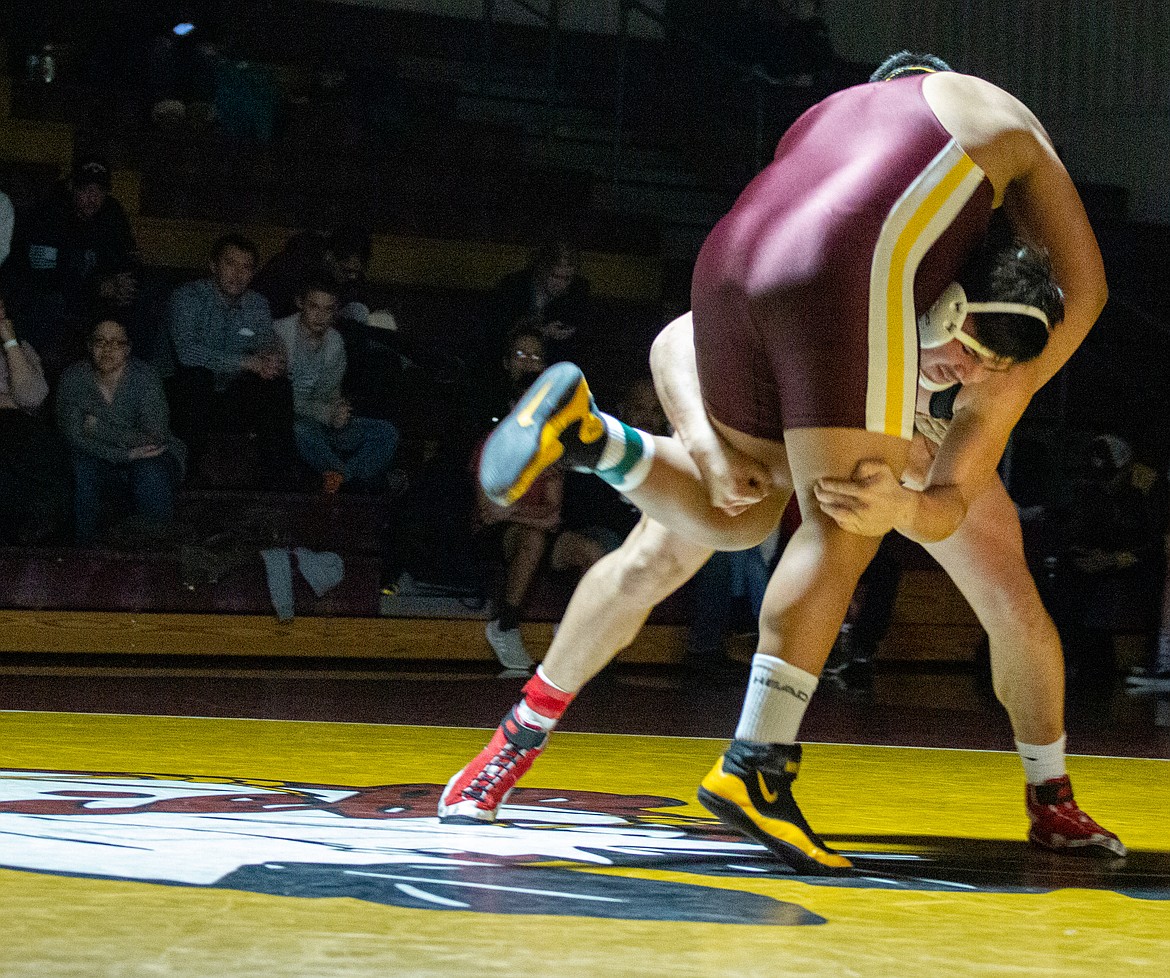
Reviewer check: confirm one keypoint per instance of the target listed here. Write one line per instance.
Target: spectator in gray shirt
(343, 449)
(227, 367)
(112, 410)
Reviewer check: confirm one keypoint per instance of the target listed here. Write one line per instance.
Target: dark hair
(90, 169)
(348, 240)
(1008, 269)
(525, 326)
(908, 63)
(319, 283)
(234, 240)
(549, 255)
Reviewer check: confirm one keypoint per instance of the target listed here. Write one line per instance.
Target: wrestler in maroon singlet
(806, 293)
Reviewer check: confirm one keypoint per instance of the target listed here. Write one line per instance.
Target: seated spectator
(228, 367)
(573, 528)
(1105, 566)
(34, 476)
(7, 220)
(112, 410)
(70, 252)
(519, 535)
(346, 451)
(372, 345)
(550, 291)
(342, 256)
(595, 519)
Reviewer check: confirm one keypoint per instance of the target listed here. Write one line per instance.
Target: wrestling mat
(147, 846)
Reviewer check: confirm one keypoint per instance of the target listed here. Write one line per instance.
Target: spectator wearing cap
(71, 252)
(344, 449)
(226, 367)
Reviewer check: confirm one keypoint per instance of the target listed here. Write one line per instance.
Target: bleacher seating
(467, 167)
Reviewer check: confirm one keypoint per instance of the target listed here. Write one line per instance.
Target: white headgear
(946, 317)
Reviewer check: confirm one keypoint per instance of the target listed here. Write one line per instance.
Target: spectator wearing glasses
(112, 410)
(520, 536)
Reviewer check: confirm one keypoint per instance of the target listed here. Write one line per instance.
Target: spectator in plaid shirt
(227, 368)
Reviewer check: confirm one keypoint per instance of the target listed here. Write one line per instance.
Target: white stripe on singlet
(927, 208)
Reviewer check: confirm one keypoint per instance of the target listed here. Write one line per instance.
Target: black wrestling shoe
(556, 417)
(750, 790)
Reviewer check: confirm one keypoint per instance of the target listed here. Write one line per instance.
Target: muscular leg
(810, 589)
(607, 609)
(674, 495)
(750, 786)
(614, 599)
(985, 559)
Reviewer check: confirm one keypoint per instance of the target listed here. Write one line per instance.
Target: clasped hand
(870, 503)
(734, 481)
(268, 364)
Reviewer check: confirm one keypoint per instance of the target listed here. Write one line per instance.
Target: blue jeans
(361, 451)
(151, 482)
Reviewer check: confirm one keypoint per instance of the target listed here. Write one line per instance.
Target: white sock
(777, 696)
(627, 457)
(1042, 763)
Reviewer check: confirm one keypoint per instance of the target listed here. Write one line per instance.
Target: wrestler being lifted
(854, 276)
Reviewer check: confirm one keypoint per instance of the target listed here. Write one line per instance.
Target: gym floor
(277, 818)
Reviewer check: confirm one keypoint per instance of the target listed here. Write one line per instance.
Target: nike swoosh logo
(769, 796)
(525, 418)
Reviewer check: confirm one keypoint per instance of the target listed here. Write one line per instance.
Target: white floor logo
(384, 844)
(381, 844)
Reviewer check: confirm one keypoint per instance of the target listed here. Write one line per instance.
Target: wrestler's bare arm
(930, 509)
(734, 480)
(1005, 138)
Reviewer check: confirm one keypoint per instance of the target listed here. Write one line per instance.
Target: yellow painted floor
(147, 846)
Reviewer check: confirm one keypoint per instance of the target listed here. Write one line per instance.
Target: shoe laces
(490, 776)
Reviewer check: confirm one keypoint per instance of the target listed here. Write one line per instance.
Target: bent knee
(651, 566)
(1023, 625)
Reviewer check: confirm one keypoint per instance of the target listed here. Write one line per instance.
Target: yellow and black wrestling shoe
(750, 790)
(556, 417)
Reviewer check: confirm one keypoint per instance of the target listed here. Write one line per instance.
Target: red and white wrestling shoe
(1059, 824)
(475, 794)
